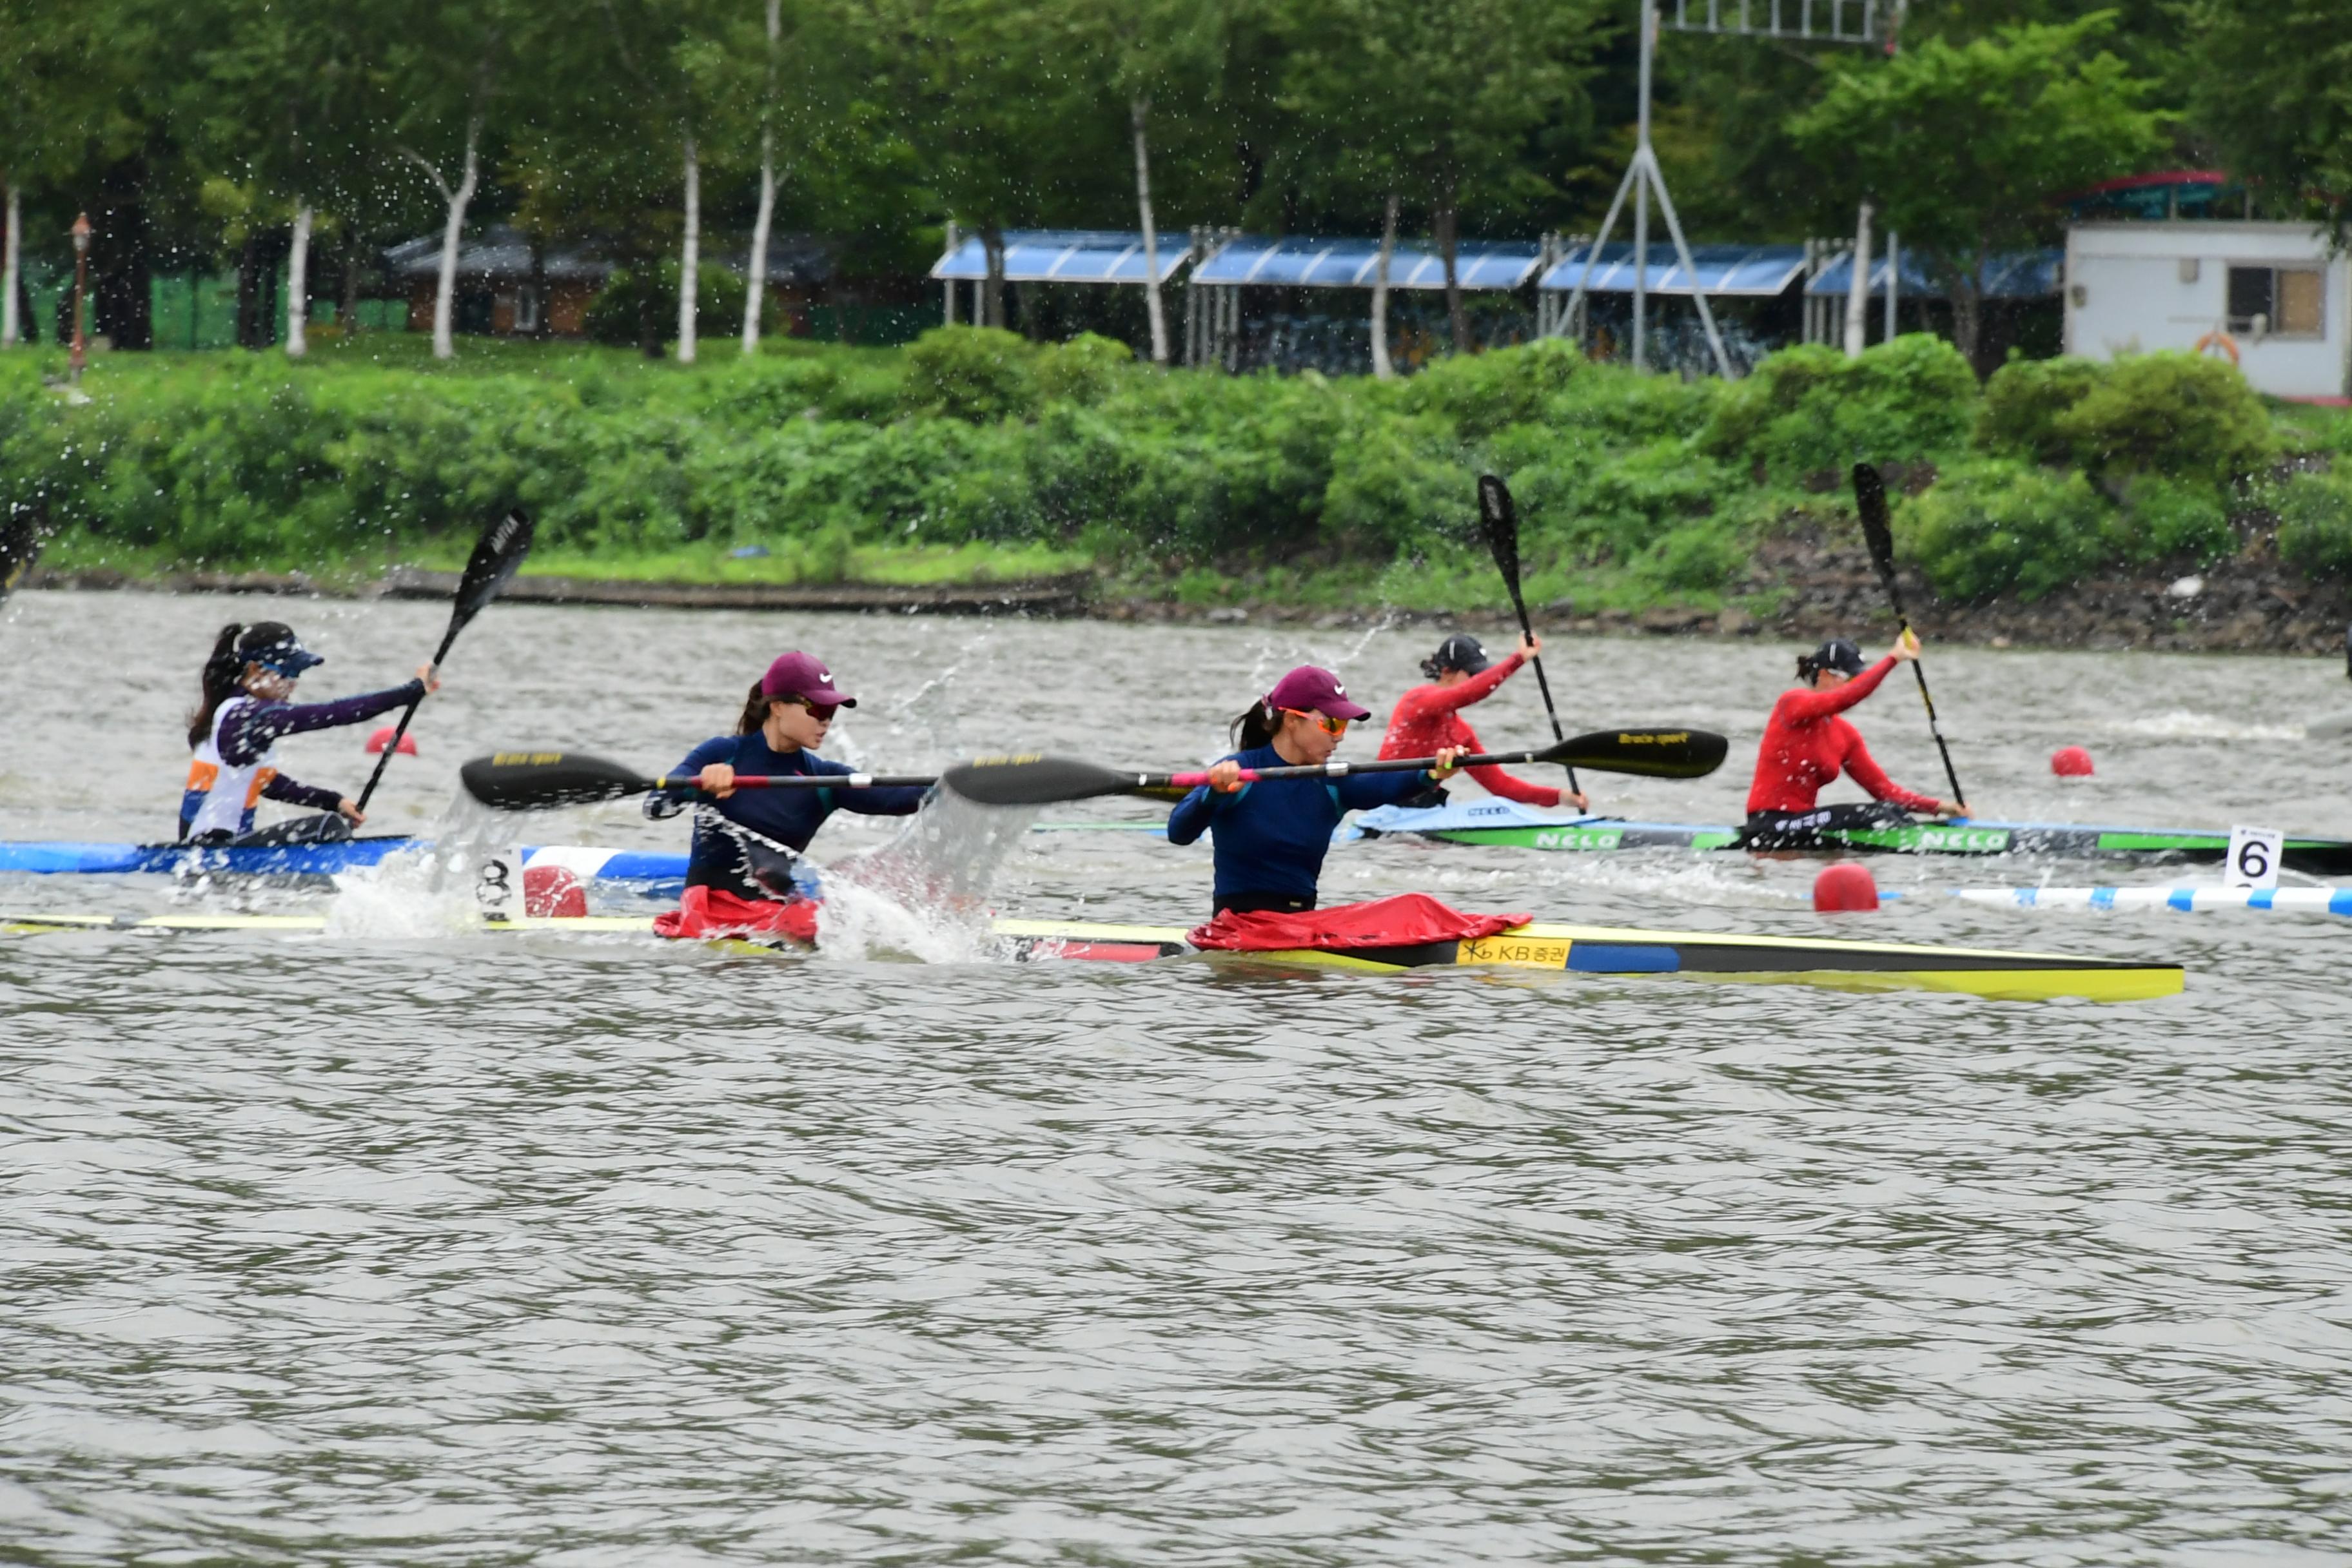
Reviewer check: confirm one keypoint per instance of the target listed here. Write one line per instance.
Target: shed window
(2279, 301)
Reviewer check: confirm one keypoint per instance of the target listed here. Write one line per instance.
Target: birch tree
(50, 102)
(1154, 55)
(1444, 96)
(448, 66)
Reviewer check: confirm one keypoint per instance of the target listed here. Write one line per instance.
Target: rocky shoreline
(1816, 588)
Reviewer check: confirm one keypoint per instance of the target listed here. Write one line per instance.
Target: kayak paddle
(1499, 525)
(529, 781)
(1870, 501)
(497, 555)
(1036, 780)
(20, 540)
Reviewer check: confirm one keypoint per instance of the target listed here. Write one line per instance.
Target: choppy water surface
(387, 1248)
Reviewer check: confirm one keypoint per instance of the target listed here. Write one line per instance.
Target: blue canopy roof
(1064, 255)
(1300, 262)
(1756, 269)
(2020, 275)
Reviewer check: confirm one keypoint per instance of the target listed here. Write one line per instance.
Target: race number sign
(497, 888)
(2253, 857)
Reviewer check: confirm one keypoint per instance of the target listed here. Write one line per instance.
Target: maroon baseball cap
(799, 675)
(1312, 689)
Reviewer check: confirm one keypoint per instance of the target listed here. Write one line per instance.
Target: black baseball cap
(1461, 651)
(1840, 654)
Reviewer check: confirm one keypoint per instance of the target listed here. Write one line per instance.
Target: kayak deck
(1569, 948)
(1508, 822)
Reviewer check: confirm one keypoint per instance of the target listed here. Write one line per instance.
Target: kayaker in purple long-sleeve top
(234, 730)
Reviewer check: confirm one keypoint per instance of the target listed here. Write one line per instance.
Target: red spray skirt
(714, 911)
(1408, 920)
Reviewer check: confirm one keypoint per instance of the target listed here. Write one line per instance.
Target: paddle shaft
(1337, 770)
(1500, 516)
(798, 781)
(1870, 503)
(384, 758)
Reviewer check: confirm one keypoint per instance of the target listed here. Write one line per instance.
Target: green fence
(196, 310)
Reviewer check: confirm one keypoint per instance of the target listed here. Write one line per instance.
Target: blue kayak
(67, 857)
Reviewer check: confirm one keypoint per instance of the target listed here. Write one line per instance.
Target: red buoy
(1844, 888)
(383, 738)
(2071, 763)
(552, 893)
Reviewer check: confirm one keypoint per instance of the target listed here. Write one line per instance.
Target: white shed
(2269, 293)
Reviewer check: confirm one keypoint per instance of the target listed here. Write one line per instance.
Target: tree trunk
(689, 256)
(11, 269)
(1457, 318)
(992, 291)
(1380, 366)
(297, 283)
(122, 259)
(755, 279)
(648, 316)
(1967, 305)
(1140, 112)
(453, 229)
(1857, 297)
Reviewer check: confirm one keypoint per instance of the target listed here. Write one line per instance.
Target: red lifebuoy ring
(2218, 339)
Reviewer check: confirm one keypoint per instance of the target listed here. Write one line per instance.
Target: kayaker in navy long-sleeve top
(1270, 835)
(731, 874)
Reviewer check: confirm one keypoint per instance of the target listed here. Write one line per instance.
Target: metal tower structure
(1862, 22)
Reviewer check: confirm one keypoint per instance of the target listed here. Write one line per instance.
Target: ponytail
(1807, 668)
(222, 668)
(755, 712)
(1254, 728)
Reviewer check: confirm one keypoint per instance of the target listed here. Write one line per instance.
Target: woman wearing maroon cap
(1270, 834)
(739, 874)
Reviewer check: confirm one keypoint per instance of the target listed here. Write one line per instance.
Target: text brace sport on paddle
(497, 555)
(1043, 781)
(1870, 501)
(534, 781)
(1499, 525)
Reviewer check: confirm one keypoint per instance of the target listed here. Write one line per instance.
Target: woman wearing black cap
(1429, 718)
(1808, 743)
(234, 730)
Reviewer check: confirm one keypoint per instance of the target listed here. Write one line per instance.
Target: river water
(374, 1247)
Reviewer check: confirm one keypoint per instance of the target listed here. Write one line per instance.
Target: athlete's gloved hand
(351, 808)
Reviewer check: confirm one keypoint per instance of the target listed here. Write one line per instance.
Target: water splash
(924, 894)
(431, 891)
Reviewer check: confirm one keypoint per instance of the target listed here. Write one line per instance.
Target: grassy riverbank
(978, 457)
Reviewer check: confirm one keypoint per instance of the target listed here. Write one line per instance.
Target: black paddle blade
(1034, 780)
(1498, 525)
(1870, 503)
(496, 557)
(526, 781)
(1649, 753)
(20, 540)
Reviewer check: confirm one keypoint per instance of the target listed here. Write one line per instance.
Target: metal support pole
(1893, 279)
(955, 243)
(1642, 189)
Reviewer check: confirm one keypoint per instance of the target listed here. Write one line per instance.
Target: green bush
(977, 373)
(2164, 520)
(1994, 526)
(1811, 408)
(2023, 400)
(1479, 395)
(2175, 414)
(1083, 370)
(2314, 530)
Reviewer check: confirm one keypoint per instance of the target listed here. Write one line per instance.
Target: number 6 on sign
(2253, 857)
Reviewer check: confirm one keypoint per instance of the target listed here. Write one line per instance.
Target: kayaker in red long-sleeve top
(1428, 719)
(1808, 743)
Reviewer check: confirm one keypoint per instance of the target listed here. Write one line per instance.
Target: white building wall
(2134, 287)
